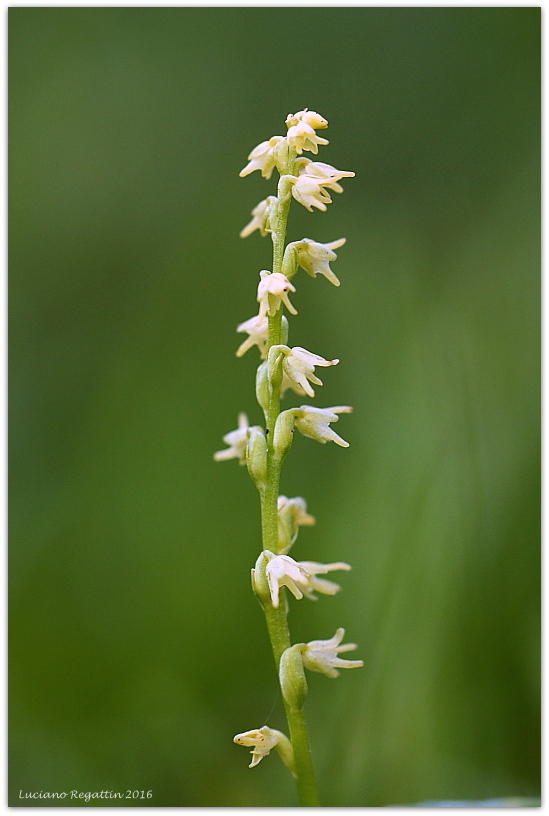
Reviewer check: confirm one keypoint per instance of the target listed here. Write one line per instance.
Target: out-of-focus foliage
(137, 647)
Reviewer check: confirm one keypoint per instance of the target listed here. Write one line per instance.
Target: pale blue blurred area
(137, 647)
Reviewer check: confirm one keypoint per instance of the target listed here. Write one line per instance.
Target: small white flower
(322, 655)
(257, 328)
(262, 158)
(311, 118)
(303, 137)
(261, 218)
(314, 423)
(299, 577)
(273, 288)
(292, 514)
(315, 258)
(298, 367)
(284, 571)
(262, 740)
(237, 441)
(309, 192)
(326, 174)
(297, 509)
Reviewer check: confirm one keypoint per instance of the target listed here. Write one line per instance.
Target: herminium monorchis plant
(263, 451)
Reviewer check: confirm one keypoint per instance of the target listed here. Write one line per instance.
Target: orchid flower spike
(237, 441)
(315, 423)
(298, 367)
(262, 158)
(322, 655)
(261, 217)
(272, 290)
(315, 257)
(299, 577)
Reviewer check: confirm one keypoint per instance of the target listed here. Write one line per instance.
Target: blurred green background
(137, 649)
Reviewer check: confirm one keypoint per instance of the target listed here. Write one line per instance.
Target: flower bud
(256, 456)
(292, 676)
(283, 433)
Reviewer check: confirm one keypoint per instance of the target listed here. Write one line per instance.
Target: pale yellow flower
(303, 137)
(315, 258)
(262, 740)
(262, 158)
(310, 192)
(311, 118)
(327, 175)
(261, 217)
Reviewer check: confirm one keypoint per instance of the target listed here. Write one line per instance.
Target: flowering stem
(277, 623)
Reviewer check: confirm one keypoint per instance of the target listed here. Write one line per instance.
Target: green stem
(277, 622)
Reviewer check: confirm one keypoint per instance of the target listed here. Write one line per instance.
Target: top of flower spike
(311, 118)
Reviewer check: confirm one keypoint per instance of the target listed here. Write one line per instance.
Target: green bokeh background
(137, 647)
